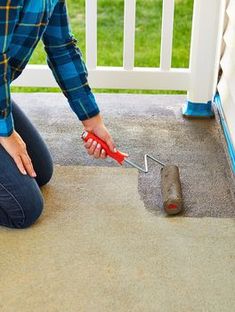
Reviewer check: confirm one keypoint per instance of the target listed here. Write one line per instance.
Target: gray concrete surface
(97, 248)
(140, 124)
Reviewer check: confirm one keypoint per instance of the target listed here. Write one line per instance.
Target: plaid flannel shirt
(22, 24)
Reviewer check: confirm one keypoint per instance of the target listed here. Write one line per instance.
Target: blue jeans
(21, 200)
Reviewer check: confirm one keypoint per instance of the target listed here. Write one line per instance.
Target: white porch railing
(199, 79)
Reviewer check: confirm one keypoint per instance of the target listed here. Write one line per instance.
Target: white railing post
(203, 54)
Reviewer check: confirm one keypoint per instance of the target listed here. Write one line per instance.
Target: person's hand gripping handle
(118, 156)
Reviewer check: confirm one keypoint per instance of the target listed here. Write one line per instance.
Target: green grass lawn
(110, 36)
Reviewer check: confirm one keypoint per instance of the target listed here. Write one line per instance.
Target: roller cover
(171, 189)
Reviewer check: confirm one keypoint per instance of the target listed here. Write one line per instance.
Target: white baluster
(129, 34)
(91, 34)
(167, 34)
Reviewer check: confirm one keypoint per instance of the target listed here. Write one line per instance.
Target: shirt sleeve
(8, 15)
(65, 60)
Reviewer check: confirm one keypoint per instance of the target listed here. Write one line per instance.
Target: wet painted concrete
(97, 248)
(140, 124)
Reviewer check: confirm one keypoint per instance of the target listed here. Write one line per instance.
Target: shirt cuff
(91, 114)
(85, 106)
(6, 126)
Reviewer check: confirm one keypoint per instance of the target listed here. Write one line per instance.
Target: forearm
(65, 60)
(71, 74)
(6, 120)
(9, 19)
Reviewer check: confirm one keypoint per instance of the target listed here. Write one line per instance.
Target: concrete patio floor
(145, 124)
(103, 242)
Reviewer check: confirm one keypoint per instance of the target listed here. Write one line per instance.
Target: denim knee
(45, 175)
(32, 211)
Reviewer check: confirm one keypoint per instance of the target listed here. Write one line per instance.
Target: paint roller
(170, 178)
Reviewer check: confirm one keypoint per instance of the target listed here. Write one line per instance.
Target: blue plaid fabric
(22, 25)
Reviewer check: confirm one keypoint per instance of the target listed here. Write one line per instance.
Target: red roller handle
(118, 156)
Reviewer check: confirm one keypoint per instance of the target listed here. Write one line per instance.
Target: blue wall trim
(192, 109)
(231, 148)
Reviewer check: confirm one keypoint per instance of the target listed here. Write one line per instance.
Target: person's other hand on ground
(96, 125)
(16, 148)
